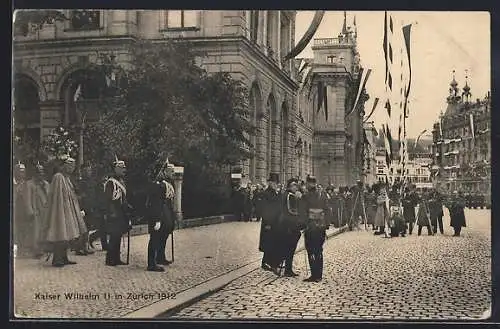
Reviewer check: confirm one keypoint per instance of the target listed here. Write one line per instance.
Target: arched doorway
(26, 109)
(285, 161)
(255, 105)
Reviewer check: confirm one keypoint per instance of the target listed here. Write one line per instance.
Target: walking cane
(128, 246)
(172, 243)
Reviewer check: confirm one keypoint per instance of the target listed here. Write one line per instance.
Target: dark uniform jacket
(410, 201)
(436, 205)
(314, 200)
(117, 210)
(290, 215)
(457, 215)
(160, 209)
(272, 207)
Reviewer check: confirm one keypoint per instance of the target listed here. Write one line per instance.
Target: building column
(264, 30)
(118, 24)
(278, 46)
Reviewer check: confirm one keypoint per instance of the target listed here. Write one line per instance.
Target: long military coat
(37, 192)
(271, 212)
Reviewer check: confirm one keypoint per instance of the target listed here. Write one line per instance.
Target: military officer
(161, 221)
(316, 207)
(117, 212)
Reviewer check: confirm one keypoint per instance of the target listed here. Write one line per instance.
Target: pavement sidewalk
(92, 290)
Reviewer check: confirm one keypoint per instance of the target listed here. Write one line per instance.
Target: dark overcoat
(457, 215)
(271, 212)
(410, 201)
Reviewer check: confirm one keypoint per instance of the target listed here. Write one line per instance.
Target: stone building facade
(326, 96)
(51, 63)
(292, 138)
(462, 142)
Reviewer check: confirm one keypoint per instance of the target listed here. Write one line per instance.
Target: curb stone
(166, 307)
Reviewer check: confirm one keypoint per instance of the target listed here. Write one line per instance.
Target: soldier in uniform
(291, 224)
(161, 221)
(37, 190)
(410, 201)
(436, 211)
(457, 215)
(117, 212)
(315, 232)
(269, 229)
(423, 215)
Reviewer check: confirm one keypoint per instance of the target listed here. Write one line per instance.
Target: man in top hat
(37, 190)
(161, 219)
(316, 208)
(117, 208)
(291, 224)
(269, 229)
(63, 222)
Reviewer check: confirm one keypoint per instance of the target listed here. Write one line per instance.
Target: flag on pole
(471, 116)
(418, 138)
(364, 78)
(388, 32)
(407, 35)
(375, 102)
(78, 93)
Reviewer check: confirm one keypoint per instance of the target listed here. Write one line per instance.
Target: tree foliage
(170, 107)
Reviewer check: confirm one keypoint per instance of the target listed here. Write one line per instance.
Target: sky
(440, 43)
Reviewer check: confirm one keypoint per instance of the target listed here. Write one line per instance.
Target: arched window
(255, 105)
(81, 93)
(26, 108)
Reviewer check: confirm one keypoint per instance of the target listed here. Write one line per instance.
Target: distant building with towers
(461, 146)
(328, 87)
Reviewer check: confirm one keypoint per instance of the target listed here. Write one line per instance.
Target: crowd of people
(308, 207)
(70, 213)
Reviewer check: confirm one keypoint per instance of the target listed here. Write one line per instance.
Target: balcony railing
(322, 42)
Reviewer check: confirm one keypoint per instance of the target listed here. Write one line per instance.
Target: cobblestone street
(201, 253)
(370, 277)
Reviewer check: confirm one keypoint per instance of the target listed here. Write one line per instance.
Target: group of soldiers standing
(70, 214)
(309, 208)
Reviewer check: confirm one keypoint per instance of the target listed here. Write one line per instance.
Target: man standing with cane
(161, 220)
(117, 210)
(315, 207)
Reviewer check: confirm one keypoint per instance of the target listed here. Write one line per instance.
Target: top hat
(274, 177)
(311, 179)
